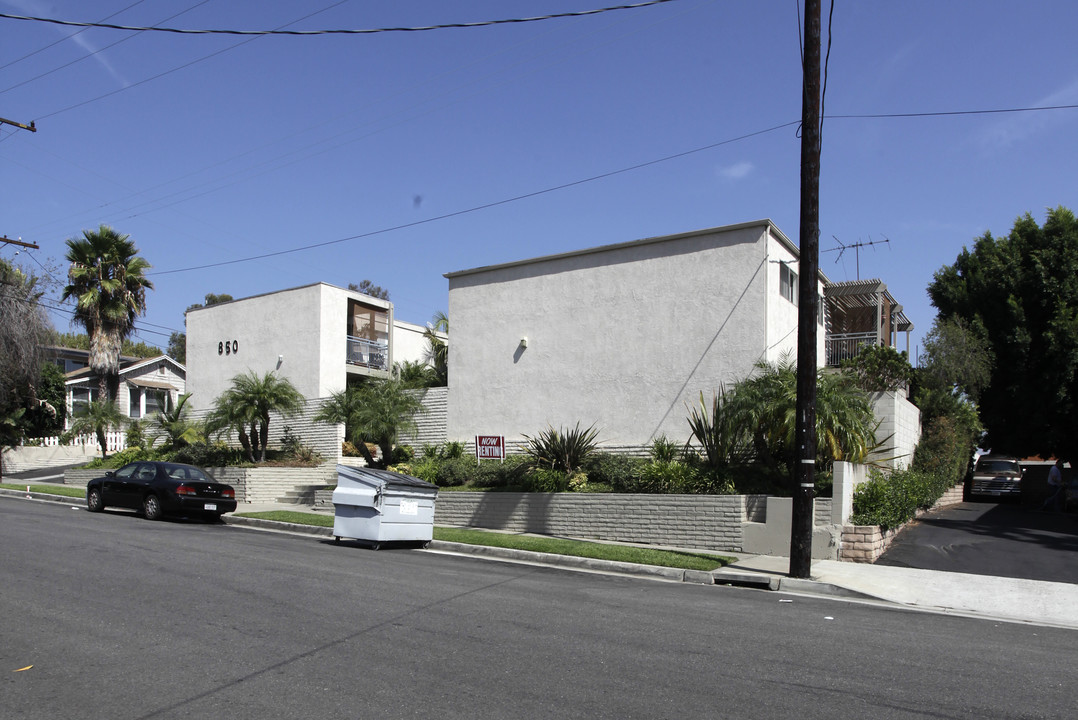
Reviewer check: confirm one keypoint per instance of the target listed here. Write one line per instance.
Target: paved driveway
(983, 538)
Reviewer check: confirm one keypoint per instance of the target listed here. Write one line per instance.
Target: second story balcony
(367, 353)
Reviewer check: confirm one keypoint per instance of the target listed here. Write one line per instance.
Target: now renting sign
(490, 447)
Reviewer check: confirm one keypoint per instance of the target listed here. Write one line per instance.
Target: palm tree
(375, 412)
(173, 425)
(437, 353)
(766, 404)
(249, 402)
(98, 417)
(107, 280)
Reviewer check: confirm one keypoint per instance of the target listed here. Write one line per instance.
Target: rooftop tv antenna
(857, 249)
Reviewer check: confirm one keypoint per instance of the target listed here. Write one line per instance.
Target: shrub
(619, 472)
(121, 458)
(402, 454)
(664, 450)
(891, 500)
(350, 450)
(453, 472)
(545, 480)
(216, 454)
(508, 474)
(565, 450)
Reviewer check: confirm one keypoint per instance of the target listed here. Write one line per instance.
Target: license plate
(211, 506)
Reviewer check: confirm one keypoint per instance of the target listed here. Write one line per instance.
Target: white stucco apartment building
(625, 336)
(316, 336)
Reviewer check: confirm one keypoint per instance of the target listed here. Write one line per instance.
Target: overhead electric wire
(68, 37)
(593, 178)
(485, 206)
(178, 68)
(95, 52)
(366, 31)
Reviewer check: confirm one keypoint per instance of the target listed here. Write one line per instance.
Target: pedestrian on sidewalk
(1055, 483)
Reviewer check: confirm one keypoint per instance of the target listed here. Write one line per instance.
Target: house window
(156, 401)
(787, 283)
(134, 405)
(81, 397)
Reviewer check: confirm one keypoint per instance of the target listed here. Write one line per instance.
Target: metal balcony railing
(846, 345)
(367, 353)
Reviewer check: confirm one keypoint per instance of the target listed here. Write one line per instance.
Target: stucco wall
(300, 333)
(623, 336)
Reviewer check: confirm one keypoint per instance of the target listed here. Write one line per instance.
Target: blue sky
(211, 149)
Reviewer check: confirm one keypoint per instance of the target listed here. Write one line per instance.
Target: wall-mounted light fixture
(523, 342)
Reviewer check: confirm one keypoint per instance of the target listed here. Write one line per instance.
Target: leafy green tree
(370, 289)
(373, 412)
(23, 328)
(955, 358)
(876, 368)
(249, 403)
(107, 280)
(1018, 295)
(45, 415)
(98, 417)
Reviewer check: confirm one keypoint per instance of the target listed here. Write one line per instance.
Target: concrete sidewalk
(1011, 599)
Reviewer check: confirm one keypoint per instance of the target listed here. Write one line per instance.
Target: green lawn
(555, 546)
(75, 491)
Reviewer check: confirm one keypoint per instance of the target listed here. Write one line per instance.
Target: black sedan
(161, 488)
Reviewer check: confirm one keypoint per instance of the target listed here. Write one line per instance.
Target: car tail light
(186, 490)
(228, 493)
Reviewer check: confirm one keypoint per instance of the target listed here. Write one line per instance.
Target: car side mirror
(110, 473)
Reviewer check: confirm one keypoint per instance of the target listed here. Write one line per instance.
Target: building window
(156, 401)
(81, 397)
(134, 406)
(787, 283)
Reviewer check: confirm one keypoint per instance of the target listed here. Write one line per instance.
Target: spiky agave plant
(565, 450)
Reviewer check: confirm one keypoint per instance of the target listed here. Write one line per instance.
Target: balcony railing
(846, 345)
(367, 353)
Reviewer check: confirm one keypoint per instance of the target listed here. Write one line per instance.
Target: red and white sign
(490, 447)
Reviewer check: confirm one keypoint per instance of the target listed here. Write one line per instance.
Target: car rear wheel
(151, 507)
(94, 502)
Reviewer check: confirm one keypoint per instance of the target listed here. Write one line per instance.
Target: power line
(477, 208)
(367, 31)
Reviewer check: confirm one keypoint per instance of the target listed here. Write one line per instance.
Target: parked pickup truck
(996, 476)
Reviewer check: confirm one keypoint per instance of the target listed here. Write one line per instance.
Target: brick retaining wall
(865, 543)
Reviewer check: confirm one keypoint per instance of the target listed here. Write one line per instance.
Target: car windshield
(998, 466)
(186, 472)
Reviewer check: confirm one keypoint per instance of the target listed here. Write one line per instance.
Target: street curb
(44, 497)
(762, 581)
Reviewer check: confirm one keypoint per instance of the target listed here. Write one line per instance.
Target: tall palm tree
(249, 402)
(107, 279)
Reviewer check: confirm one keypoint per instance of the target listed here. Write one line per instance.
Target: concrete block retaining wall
(253, 485)
(707, 522)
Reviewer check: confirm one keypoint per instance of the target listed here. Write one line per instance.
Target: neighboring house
(317, 336)
(147, 386)
(69, 359)
(626, 337)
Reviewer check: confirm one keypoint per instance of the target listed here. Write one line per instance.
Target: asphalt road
(125, 618)
(987, 538)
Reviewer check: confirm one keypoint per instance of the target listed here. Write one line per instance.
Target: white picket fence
(116, 441)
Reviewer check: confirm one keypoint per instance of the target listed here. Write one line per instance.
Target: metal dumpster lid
(385, 478)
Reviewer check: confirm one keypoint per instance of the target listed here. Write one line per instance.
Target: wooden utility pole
(31, 127)
(8, 241)
(804, 475)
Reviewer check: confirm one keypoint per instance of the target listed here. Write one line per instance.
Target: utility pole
(31, 127)
(804, 475)
(8, 241)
